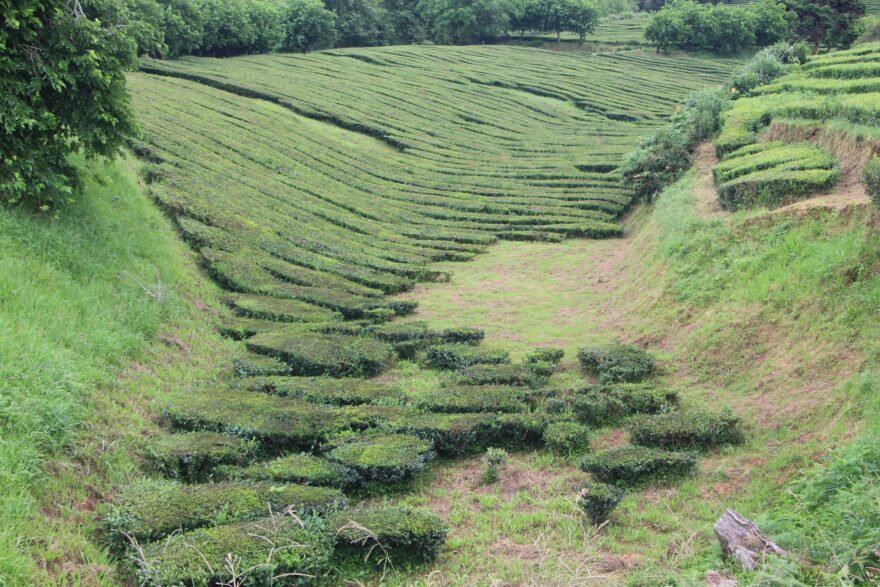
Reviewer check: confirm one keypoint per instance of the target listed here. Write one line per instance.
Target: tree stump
(741, 539)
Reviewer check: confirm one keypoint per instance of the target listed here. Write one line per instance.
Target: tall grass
(80, 296)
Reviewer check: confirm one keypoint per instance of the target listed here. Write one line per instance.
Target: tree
(465, 21)
(62, 67)
(307, 26)
(820, 19)
(578, 16)
(582, 18)
(359, 23)
(773, 22)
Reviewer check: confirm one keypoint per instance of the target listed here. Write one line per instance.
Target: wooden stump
(741, 539)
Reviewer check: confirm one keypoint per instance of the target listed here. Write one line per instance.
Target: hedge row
(567, 438)
(634, 465)
(406, 536)
(325, 354)
(473, 398)
(602, 405)
(773, 188)
(454, 356)
(193, 456)
(687, 430)
(280, 309)
(381, 458)
(301, 468)
(150, 510)
(498, 374)
(326, 390)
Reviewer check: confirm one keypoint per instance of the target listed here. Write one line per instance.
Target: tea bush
(473, 398)
(192, 456)
(453, 356)
(408, 536)
(381, 458)
(326, 390)
(601, 405)
(325, 354)
(633, 465)
(300, 468)
(567, 438)
(871, 179)
(498, 374)
(614, 363)
(598, 500)
(687, 430)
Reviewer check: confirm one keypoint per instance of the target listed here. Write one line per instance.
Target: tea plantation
(313, 187)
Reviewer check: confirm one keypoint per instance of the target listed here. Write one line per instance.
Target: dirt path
(706, 203)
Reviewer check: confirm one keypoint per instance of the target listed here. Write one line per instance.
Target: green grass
(75, 314)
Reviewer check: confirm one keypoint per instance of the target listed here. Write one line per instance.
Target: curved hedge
(472, 398)
(454, 356)
(280, 309)
(327, 390)
(498, 374)
(325, 354)
(601, 405)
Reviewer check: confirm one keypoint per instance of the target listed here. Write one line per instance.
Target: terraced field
(312, 186)
(612, 31)
(839, 90)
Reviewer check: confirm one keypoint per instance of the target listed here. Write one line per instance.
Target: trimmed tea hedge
(615, 363)
(454, 356)
(276, 422)
(601, 405)
(871, 179)
(632, 465)
(567, 438)
(280, 309)
(472, 398)
(150, 510)
(301, 468)
(598, 500)
(453, 435)
(192, 456)
(544, 355)
(687, 430)
(254, 365)
(325, 354)
(263, 550)
(408, 536)
(410, 337)
(327, 390)
(382, 458)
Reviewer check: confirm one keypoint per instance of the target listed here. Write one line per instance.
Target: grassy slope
(80, 364)
(773, 315)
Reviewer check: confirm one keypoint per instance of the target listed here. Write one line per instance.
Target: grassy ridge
(74, 312)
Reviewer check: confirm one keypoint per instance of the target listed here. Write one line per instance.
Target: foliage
(567, 438)
(871, 179)
(598, 500)
(687, 430)
(459, 356)
(499, 374)
(723, 28)
(473, 398)
(544, 355)
(308, 25)
(634, 465)
(326, 390)
(150, 510)
(254, 365)
(617, 363)
(381, 458)
(193, 456)
(494, 459)
(453, 435)
(821, 20)
(256, 552)
(464, 21)
(63, 69)
(403, 535)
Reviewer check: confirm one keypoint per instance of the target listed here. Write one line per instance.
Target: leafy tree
(403, 22)
(359, 23)
(466, 21)
(773, 22)
(184, 27)
(308, 25)
(582, 18)
(62, 66)
(666, 30)
(820, 19)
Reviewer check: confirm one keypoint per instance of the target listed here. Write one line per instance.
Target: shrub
(601, 405)
(382, 458)
(192, 456)
(774, 187)
(659, 161)
(598, 500)
(150, 510)
(263, 549)
(499, 374)
(567, 438)
(454, 356)
(494, 459)
(462, 335)
(298, 468)
(871, 179)
(617, 363)
(406, 535)
(327, 390)
(472, 398)
(631, 465)
(690, 430)
(519, 431)
(280, 309)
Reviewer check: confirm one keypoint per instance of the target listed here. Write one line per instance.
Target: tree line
(724, 28)
(222, 28)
